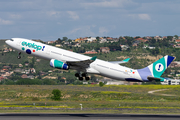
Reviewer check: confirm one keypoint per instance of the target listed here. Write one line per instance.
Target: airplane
(84, 65)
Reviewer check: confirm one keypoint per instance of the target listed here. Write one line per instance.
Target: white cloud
(73, 15)
(74, 30)
(144, 17)
(54, 13)
(79, 18)
(59, 23)
(109, 3)
(15, 16)
(104, 4)
(140, 16)
(103, 30)
(5, 22)
(81, 31)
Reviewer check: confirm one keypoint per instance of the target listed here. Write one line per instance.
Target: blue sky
(52, 19)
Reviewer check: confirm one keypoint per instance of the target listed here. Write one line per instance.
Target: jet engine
(58, 64)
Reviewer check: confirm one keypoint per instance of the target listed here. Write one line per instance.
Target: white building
(170, 82)
(115, 83)
(91, 39)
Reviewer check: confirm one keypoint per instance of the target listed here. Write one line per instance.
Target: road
(153, 91)
(87, 117)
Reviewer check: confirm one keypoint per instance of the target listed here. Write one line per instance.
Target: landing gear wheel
(19, 57)
(87, 78)
(81, 78)
(83, 74)
(77, 74)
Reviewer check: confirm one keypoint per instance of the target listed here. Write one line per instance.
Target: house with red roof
(177, 41)
(91, 52)
(141, 39)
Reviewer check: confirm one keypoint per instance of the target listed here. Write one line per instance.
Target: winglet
(93, 58)
(126, 60)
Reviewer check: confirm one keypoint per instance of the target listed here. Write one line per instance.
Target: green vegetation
(20, 94)
(101, 84)
(107, 99)
(140, 57)
(56, 94)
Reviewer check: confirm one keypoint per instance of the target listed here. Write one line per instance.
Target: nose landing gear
(19, 56)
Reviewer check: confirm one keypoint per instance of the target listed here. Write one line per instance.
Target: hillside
(140, 58)
(2, 44)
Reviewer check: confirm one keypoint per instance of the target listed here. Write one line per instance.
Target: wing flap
(81, 64)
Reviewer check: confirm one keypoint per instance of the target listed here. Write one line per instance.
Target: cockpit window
(11, 40)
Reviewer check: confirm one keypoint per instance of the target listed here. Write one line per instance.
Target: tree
(27, 81)
(93, 78)
(31, 65)
(152, 42)
(176, 36)
(101, 84)
(69, 40)
(57, 94)
(129, 40)
(97, 38)
(65, 38)
(59, 41)
(138, 37)
(170, 37)
(49, 82)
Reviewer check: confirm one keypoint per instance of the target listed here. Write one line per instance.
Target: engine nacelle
(58, 64)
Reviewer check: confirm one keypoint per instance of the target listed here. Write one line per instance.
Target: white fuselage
(48, 52)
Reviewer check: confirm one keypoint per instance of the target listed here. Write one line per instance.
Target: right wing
(119, 62)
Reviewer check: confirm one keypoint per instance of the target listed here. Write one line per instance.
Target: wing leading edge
(82, 64)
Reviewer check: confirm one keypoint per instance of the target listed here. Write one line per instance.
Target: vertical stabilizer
(157, 68)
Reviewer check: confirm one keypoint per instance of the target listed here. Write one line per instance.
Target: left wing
(81, 64)
(119, 62)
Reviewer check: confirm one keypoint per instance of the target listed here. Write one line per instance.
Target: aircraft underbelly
(117, 72)
(108, 72)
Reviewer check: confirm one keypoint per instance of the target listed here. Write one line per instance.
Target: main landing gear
(80, 76)
(19, 56)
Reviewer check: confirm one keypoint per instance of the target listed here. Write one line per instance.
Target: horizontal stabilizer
(151, 78)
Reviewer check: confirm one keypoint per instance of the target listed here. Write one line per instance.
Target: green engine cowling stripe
(58, 64)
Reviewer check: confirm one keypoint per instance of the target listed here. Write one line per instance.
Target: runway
(86, 117)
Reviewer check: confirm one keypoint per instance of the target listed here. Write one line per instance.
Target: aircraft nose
(7, 41)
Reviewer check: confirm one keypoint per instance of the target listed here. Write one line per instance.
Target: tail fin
(157, 68)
